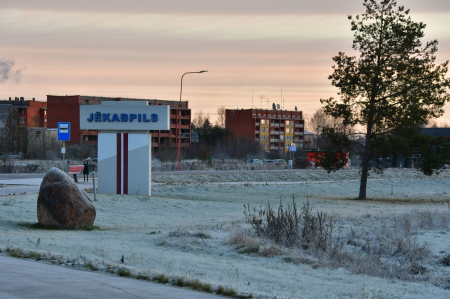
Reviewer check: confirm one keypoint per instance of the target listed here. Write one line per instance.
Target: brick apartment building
(16, 116)
(273, 130)
(66, 109)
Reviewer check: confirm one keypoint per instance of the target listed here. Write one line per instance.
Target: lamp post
(179, 120)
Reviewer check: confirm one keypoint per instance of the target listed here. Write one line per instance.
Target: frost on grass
(396, 245)
(386, 247)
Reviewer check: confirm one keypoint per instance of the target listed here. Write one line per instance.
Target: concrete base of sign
(124, 163)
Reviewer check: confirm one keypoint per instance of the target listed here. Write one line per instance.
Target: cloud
(6, 70)
(18, 75)
(229, 7)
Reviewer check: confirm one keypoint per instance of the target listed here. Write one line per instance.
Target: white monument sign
(124, 144)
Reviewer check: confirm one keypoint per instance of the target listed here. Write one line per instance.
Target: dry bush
(242, 239)
(269, 250)
(244, 243)
(388, 250)
(288, 227)
(386, 247)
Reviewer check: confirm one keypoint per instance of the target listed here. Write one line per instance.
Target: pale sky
(141, 49)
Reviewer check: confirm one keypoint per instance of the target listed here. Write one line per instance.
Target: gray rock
(62, 204)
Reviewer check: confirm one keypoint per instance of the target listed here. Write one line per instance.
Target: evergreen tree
(392, 86)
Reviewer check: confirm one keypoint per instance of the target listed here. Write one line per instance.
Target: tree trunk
(364, 171)
(365, 162)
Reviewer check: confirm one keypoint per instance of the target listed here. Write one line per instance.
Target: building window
(288, 137)
(288, 123)
(21, 111)
(264, 121)
(288, 130)
(22, 120)
(90, 137)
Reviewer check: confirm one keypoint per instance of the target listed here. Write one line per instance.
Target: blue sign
(292, 149)
(63, 131)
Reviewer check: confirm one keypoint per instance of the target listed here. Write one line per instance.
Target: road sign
(292, 149)
(292, 145)
(63, 131)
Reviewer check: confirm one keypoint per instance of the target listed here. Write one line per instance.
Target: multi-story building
(16, 116)
(273, 130)
(309, 140)
(66, 109)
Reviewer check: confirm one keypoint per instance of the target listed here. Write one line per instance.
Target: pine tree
(394, 84)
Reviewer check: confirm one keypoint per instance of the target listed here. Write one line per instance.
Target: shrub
(206, 287)
(124, 272)
(181, 282)
(162, 278)
(142, 276)
(288, 227)
(196, 285)
(93, 267)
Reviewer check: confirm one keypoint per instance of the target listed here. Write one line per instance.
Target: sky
(257, 52)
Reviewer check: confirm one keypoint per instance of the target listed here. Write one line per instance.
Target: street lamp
(179, 120)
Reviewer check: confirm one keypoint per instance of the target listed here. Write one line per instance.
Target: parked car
(279, 162)
(255, 161)
(267, 161)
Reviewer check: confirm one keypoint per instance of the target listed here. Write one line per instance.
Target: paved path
(28, 279)
(17, 185)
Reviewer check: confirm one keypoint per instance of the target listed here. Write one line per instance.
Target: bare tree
(42, 144)
(221, 116)
(320, 120)
(199, 119)
(36, 120)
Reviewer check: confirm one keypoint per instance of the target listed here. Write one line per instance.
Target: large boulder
(62, 204)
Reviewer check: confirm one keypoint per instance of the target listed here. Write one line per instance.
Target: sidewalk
(28, 279)
(32, 185)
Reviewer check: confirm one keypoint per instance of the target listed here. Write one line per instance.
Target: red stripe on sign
(125, 163)
(119, 164)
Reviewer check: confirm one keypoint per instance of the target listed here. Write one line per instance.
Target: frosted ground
(184, 230)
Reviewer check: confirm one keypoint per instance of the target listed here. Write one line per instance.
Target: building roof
(436, 131)
(151, 101)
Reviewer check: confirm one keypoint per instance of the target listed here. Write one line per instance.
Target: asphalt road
(28, 279)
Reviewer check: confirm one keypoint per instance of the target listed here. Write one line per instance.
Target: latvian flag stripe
(122, 163)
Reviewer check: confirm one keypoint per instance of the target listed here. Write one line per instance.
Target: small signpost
(63, 135)
(292, 149)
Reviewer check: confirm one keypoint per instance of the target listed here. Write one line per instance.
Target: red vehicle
(314, 157)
